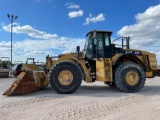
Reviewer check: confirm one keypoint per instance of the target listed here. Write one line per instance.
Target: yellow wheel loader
(101, 60)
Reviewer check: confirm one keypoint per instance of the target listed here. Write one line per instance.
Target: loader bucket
(23, 84)
(29, 80)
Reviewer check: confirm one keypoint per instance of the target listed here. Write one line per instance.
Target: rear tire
(65, 77)
(129, 77)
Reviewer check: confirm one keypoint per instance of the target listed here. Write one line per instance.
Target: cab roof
(101, 31)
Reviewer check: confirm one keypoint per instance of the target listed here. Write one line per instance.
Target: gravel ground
(91, 102)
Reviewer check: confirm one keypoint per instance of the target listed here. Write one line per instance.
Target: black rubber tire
(77, 77)
(120, 73)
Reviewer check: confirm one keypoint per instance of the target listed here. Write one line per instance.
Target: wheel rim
(132, 78)
(65, 77)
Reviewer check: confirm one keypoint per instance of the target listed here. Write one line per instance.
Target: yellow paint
(100, 71)
(149, 74)
(132, 78)
(65, 77)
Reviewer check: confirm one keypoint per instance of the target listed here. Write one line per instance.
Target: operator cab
(98, 45)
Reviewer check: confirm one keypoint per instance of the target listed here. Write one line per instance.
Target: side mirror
(78, 50)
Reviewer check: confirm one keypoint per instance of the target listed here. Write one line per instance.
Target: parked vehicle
(17, 69)
(4, 67)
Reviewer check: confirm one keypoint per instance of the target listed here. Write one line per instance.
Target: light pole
(12, 18)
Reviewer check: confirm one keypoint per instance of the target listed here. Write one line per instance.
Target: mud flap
(23, 84)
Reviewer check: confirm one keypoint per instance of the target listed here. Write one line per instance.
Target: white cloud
(147, 27)
(38, 48)
(27, 29)
(74, 14)
(145, 32)
(74, 6)
(92, 19)
(71, 5)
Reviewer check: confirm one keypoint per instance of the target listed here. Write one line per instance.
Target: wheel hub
(65, 77)
(132, 78)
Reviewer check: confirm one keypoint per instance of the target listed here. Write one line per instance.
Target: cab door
(107, 46)
(99, 46)
(103, 55)
(102, 45)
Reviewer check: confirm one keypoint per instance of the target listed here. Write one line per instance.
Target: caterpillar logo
(132, 52)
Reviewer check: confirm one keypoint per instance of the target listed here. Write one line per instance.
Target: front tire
(129, 77)
(65, 77)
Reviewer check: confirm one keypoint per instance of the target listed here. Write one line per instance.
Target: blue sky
(57, 26)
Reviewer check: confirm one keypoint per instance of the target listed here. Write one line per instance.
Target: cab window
(107, 39)
(99, 38)
(88, 43)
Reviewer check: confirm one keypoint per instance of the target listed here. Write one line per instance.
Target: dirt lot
(91, 101)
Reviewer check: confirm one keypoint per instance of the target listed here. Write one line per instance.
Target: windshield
(88, 48)
(88, 44)
(88, 41)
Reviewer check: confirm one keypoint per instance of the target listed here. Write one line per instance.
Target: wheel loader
(119, 66)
